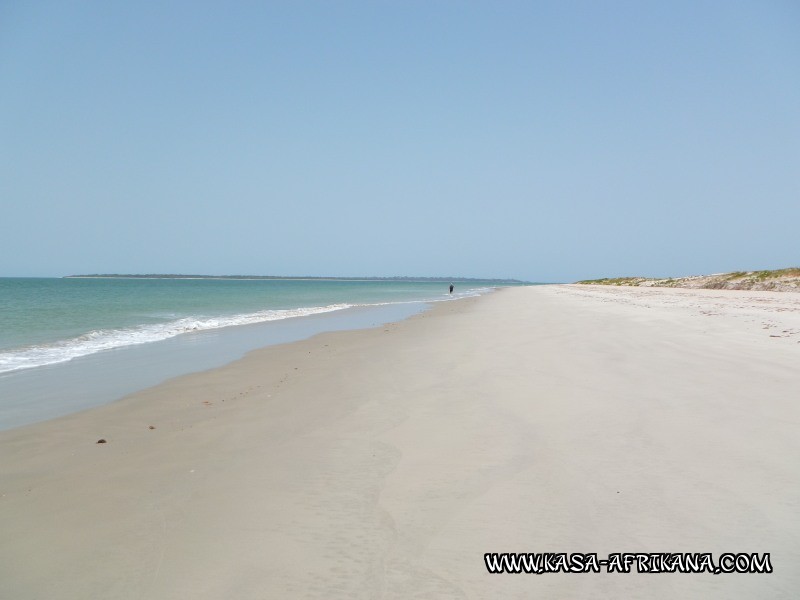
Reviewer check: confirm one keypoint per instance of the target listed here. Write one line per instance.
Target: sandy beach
(384, 463)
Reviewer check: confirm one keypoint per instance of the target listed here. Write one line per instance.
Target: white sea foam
(97, 341)
(108, 339)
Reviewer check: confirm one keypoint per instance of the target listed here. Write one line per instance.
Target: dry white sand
(385, 463)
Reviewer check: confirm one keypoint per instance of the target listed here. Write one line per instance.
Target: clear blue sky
(547, 141)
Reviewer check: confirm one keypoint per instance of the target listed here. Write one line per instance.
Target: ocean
(71, 343)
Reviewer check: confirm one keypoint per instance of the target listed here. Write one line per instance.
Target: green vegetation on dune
(790, 272)
(777, 279)
(614, 281)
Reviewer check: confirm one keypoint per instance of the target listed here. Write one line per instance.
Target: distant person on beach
(451, 288)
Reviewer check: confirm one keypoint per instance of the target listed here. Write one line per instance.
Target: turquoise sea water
(71, 344)
(50, 321)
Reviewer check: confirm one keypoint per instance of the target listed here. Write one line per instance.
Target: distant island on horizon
(283, 277)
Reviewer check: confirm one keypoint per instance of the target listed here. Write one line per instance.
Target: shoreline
(54, 390)
(385, 462)
(50, 322)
